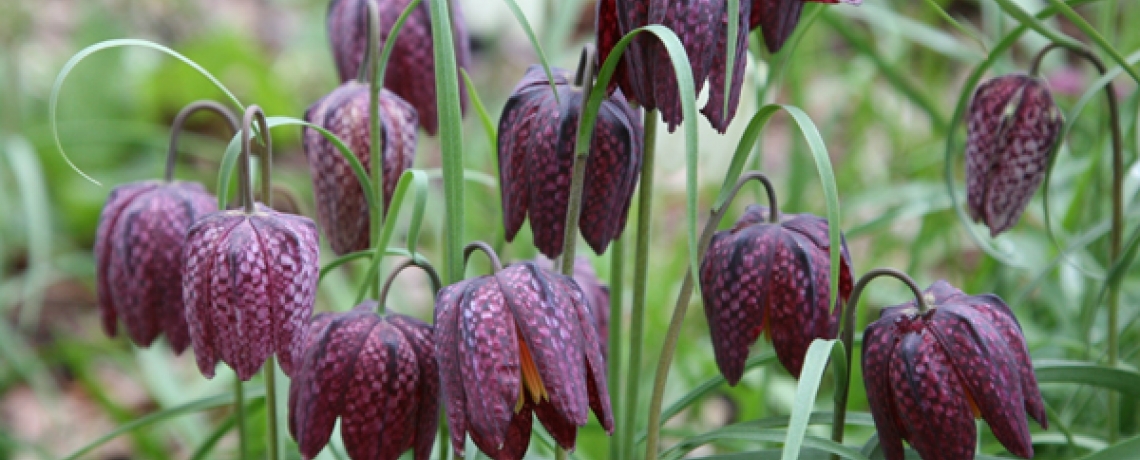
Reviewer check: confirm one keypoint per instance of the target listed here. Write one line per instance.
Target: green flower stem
(239, 415)
(371, 67)
(450, 136)
(180, 120)
(847, 336)
(271, 407)
(422, 264)
(640, 284)
(669, 348)
(585, 79)
(444, 436)
(496, 264)
(617, 292)
(1116, 236)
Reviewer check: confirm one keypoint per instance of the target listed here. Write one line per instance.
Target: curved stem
(847, 336)
(1116, 237)
(436, 285)
(180, 121)
(584, 78)
(245, 180)
(640, 284)
(669, 348)
(496, 265)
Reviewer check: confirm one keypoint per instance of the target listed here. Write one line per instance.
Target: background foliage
(881, 82)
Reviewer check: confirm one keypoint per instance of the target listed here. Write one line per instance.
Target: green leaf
(484, 118)
(411, 178)
(738, 430)
(212, 402)
(521, 18)
(450, 137)
(815, 362)
(30, 183)
(390, 42)
(233, 153)
(763, 359)
(730, 50)
(769, 435)
(1095, 36)
(1027, 20)
(1124, 450)
(204, 450)
(1124, 381)
(53, 101)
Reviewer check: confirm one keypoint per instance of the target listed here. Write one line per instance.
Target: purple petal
(291, 252)
(421, 336)
(117, 202)
(714, 108)
(381, 399)
(198, 291)
(447, 354)
(930, 400)
(878, 350)
(489, 360)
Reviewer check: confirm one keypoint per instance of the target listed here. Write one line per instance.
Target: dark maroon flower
(646, 74)
(138, 255)
(377, 374)
(597, 294)
(1012, 126)
(513, 343)
(411, 70)
(249, 283)
(774, 278)
(536, 160)
(929, 374)
(341, 207)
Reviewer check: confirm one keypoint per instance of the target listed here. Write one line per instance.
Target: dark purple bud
(929, 374)
(518, 341)
(138, 255)
(249, 283)
(341, 207)
(774, 278)
(536, 159)
(377, 374)
(411, 70)
(1012, 126)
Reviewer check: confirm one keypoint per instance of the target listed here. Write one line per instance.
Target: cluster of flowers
(239, 285)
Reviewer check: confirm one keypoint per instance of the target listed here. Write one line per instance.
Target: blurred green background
(880, 81)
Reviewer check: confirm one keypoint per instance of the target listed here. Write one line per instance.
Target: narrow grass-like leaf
(1013, 9)
(30, 183)
(412, 178)
(360, 255)
(700, 391)
(521, 19)
(734, 431)
(200, 405)
(233, 152)
(484, 118)
(53, 100)
(390, 42)
(743, 149)
(1124, 381)
(1095, 36)
(204, 450)
(730, 50)
(686, 91)
(1124, 450)
(954, 22)
(815, 362)
(450, 137)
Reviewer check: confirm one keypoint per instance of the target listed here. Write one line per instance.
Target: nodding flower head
(342, 208)
(377, 374)
(513, 344)
(771, 276)
(1012, 126)
(536, 161)
(929, 374)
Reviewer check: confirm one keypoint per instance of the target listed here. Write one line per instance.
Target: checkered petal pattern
(489, 330)
(928, 375)
(536, 160)
(138, 255)
(761, 277)
(249, 283)
(342, 209)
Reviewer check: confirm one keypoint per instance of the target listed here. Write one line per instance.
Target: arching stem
(180, 121)
(436, 285)
(584, 79)
(673, 334)
(1116, 237)
(847, 336)
(496, 265)
(252, 113)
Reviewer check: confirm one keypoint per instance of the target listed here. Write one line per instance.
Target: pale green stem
(180, 121)
(585, 79)
(271, 406)
(617, 293)
(669, 348)
(640, 284)
(239, 415)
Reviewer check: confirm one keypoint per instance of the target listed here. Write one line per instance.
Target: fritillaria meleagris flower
(341, 207)
(514, 343)
(773, 278)
(929, 374)
(1012, 126)
(646, 74)
(138, 255)
(378, 374)
(536, 160)
(411, 70)
(597, 294)
(249, 283)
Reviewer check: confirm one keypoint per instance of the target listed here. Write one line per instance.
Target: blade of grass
(521, 18)
(450, 137)
(815, 363)
(418, 181)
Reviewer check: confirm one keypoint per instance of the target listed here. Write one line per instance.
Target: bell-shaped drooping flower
(1012, 126)
(138, 247)
(411, 70)
(514, 343)
(930, 373)
(249, 280)
(772, 276)
(597, 295)
(536, 161)
(342, 209)
(646, 73)
(378, 374)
